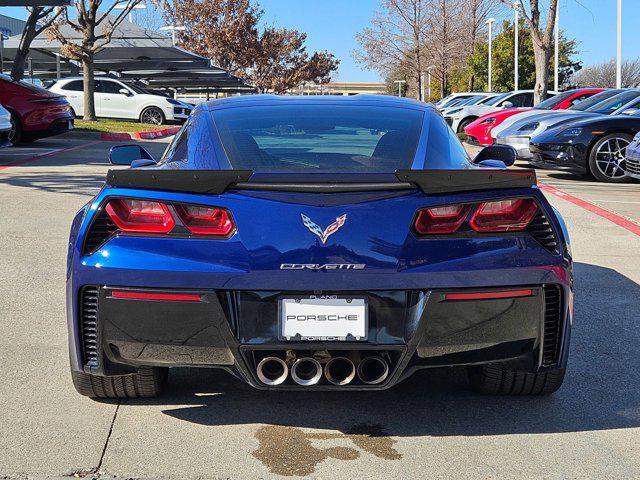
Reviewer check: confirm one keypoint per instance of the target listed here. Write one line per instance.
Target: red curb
(45, 155)
(145, 135)
(606, 214)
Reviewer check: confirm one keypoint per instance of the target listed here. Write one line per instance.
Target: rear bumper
(230, 330)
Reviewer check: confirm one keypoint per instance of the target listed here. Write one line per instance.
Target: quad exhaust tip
(373, 370)
(306, 371)
(340, 371)
(272, 371)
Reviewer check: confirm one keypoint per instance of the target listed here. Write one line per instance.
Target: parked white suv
(116, 99)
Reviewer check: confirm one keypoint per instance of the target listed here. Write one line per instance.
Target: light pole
(429, 68)
(123, 4)
(556, 53)
(1, 52)
(619, 49)
(173, 29)
(490, 23)
(400, 82)
(516, 29)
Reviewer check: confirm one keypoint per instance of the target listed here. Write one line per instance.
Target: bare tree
(396, 39)
(603, 75)
(97, 29)
(446, 33)
(542, 37)
(39, 19)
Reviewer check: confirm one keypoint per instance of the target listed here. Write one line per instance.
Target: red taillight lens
(441, 220)
(143, 216)
(206, 220)
(504, 215)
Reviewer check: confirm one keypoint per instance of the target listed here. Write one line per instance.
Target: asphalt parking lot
(210, 425)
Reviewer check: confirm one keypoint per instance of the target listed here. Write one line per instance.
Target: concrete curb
(116, 136)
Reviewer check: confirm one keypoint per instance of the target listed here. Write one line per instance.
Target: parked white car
(116, 99)
(466, 115)
(5, 127)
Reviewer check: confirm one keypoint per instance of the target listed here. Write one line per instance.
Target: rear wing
(216, 182)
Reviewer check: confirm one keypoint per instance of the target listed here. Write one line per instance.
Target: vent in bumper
(552, 325)
(89, 326)
(99, 232)
(541, 230)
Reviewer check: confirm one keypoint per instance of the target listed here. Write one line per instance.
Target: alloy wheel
(610, 157)
(153, 116)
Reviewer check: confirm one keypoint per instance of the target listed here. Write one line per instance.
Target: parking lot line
(33, 158)
(612, 217)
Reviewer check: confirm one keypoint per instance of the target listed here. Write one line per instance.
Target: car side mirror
(124, 91)
(507, 104)
(127, 154)
(501, 153)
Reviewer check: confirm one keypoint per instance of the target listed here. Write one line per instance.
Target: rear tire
(607, 167)
(464, 123)
(493, 380)
(145, 383)
(15, 134)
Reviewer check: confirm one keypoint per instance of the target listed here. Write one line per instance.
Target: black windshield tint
(549, 103)
(325, 138)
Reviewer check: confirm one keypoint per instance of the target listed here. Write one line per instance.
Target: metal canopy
(133, 53)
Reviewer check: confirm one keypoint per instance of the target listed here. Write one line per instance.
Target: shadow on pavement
(57, 182)
(599, 393)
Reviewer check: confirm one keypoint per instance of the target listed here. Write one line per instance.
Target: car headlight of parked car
(488, 121)
(570, 132)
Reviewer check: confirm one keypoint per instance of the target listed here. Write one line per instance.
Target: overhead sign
(34, 3)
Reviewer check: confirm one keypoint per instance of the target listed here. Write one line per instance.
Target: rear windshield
(326, 138)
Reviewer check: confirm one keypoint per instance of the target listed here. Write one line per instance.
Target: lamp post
(490, 23)
(173, 29)
(556, 53)
(1, 52)
(619, 48)
(400, 82)
(429, 68)
(123, 4)
(516, 29)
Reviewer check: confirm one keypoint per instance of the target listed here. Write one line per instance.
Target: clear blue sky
(332, 25)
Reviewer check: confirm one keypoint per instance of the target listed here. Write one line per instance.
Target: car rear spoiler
(216, 182)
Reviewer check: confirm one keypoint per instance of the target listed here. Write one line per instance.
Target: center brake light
(508, 215)
(148, 216)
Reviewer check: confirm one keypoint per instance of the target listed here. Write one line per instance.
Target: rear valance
(215, 182)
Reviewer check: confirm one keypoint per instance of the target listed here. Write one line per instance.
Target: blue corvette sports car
(337, 243)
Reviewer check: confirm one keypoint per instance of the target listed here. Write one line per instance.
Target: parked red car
(479, 131)
(35, 112)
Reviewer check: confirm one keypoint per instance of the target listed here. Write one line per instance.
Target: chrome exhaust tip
(373, 370)
(306, 371)
(340, 371)
(272, 371)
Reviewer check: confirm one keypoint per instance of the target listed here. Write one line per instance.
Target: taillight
(504, 215)
(202, 220)
(441, 220)
(509, 215)
(143, 216)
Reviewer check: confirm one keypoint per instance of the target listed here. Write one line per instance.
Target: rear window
(326, 138)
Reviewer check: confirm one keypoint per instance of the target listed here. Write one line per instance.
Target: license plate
(323, 318)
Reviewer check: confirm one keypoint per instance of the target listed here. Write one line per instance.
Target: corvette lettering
(324, 266)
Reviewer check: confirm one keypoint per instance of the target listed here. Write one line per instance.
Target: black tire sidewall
(591, 161)
(18, 136)
(464, 123)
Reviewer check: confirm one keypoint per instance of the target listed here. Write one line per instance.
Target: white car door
(114, 103)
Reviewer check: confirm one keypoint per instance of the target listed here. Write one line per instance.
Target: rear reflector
(488, 295)
(161, 296)
(144, 216)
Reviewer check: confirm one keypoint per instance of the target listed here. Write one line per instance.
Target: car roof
(256, 100)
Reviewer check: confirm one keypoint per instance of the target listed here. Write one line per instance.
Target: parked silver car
(518, 134)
